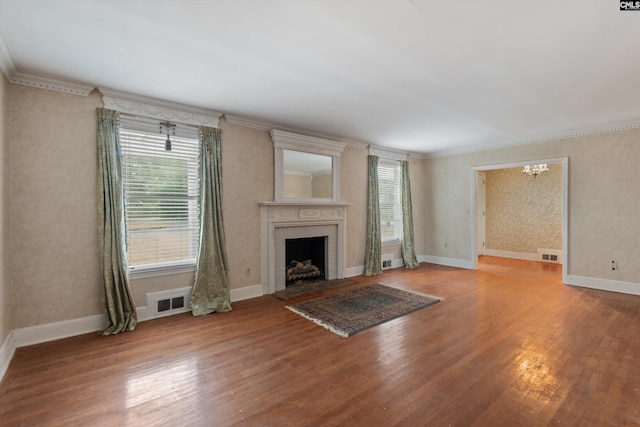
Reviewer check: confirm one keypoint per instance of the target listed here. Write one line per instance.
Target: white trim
(388, 153)
(6, 61)
(311, 144)
(510, 254)
(50, 84)
(603, 284)
(6, 353)
(158, 108)
(155, 271)
(58, 330)
(552, 137)
(247, 292)
(450, 262)
(358, 270)
(247, 123)
(260, 125)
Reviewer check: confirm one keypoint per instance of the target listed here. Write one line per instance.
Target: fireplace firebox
(305, 259)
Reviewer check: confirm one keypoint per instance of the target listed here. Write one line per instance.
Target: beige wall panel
(247, 173)
(603, 201)
(524, 213)
(54, 250)
(4, 208)
(353, 190)
(297, 186)
(417, 203)
(321, 186)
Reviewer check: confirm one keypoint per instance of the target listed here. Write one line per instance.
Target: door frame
(565, 205)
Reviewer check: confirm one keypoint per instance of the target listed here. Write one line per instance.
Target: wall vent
(553, 256)
(387, 261)
(172, 301)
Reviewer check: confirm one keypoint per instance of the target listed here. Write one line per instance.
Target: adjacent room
(268, 213)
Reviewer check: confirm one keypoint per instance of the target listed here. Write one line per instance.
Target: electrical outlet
(614, 265)
(247, 272)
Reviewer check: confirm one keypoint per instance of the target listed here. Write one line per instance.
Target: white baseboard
(449, 262)
(604, 284)
(354, 271)
(247, 292)
(6, 353)
(514, 255)
(58, 330)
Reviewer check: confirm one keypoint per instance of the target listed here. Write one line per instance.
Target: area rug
(349, 312)
(309, 287)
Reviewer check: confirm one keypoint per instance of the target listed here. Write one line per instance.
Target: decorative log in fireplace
(297, 270)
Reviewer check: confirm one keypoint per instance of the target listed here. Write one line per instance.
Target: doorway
(478, 219)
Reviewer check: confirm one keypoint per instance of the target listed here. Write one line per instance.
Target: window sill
(144, 272)
(394, 242)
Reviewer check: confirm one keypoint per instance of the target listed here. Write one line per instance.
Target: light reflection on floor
(162, 382)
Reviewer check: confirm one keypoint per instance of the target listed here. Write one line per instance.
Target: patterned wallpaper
(524, 213)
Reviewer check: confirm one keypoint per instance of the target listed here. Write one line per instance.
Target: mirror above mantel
(306, 169)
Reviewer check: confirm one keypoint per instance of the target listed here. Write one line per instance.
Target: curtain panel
(119, 304)
(373, 245)
(408, 250)
(210, 291)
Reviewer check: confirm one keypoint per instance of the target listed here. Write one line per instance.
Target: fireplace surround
(290, 220)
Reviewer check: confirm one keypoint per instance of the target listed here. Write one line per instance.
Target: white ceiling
(417, 75)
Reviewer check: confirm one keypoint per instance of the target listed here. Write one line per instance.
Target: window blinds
(390, 200)
(161, 192)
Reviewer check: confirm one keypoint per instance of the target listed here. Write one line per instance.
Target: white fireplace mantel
(277, 215)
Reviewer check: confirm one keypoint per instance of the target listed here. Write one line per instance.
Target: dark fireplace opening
(305, 259)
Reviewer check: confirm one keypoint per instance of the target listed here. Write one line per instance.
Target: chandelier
(535, 170)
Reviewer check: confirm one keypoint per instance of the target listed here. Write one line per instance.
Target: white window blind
(161, 192)
(390, 201)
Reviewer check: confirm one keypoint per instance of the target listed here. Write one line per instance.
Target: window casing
(161, 191)
(389, 189)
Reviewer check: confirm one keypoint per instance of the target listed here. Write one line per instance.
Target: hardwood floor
(509, 345)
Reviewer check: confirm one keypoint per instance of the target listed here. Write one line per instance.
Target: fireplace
(297, 225)
(305, 259)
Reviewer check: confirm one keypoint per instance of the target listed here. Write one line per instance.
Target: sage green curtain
(121, 309)
(373, 246)
(210, 291)
(408, 250)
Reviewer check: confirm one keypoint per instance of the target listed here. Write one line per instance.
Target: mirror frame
(307, 144)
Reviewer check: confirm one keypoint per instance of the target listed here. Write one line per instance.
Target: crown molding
(572, 134)
(50, 84)
(296, 141)
(154, 108)
(255, 124)
(388, 153)
(247, 123)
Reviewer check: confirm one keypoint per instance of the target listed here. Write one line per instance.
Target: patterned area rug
(349, 312)
(309, 287)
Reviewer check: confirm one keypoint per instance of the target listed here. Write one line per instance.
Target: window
(390, 201)
(161, 193)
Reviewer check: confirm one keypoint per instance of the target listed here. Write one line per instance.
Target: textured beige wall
(603, 201)
(247, 168)
(54, 251)
(321, 186)
(297, 186)
(353, 190)
(4, 207)
(524, 213)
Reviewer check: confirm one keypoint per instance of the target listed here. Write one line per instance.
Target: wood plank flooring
(509, 345)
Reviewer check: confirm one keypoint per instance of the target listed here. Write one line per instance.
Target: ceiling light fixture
(168, 127)
(535, 170)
